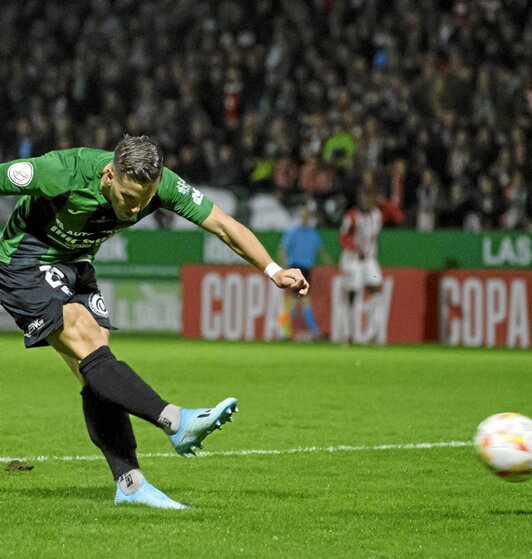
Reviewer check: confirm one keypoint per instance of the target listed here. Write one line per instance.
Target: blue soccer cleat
(196, 424)
(148, 495)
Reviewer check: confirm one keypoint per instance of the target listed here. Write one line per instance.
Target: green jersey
(62, 215)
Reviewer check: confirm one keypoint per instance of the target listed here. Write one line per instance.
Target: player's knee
(80, 326)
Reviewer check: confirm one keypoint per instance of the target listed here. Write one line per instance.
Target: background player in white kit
(359, 233)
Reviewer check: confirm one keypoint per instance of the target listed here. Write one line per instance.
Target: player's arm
(391, 213)
(347, 229)
(240, 239)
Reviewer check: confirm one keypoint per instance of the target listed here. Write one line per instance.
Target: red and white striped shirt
(360, 230)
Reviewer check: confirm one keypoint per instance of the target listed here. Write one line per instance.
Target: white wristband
(271, 269)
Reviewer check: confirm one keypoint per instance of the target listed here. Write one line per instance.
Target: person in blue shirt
(300, 246)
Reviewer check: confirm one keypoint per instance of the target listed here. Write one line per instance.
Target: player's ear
(108, 173)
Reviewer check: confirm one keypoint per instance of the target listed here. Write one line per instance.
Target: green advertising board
(445, 249)
(140, 304)
(159, 254)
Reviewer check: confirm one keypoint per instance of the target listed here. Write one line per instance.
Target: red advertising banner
(462, 307)
(238, 303)
(229, 302)
(404, 306)
(485, 308)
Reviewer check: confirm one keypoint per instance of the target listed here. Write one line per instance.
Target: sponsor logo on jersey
(197, 196)
(182, 186)
(20, 173)
(78, 240)
(185, 189)
(97, 305)
(33, 327)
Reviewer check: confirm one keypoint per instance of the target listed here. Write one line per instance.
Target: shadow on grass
(88, 494)
(79, 492)
(517, 512)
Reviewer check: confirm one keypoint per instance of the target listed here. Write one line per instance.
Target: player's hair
(138, 158)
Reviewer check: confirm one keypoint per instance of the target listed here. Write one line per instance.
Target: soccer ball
(504, 443)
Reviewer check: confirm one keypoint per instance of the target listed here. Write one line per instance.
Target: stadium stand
(289, 98)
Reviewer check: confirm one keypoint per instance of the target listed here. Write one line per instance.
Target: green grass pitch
(339, 474)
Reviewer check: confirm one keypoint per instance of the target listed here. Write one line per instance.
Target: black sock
(110, 430)
(116, 382)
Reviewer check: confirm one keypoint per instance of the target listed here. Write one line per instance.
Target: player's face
(128, 197)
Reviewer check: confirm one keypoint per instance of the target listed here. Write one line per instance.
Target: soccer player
(71, 201)
(299, 248)
(360, 269)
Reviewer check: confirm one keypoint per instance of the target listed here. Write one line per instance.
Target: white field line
(301, 450)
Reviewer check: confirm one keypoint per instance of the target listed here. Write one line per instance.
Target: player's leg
(354, 299)
(285, 317)
(108, 425)
(310, 319)
(353, 285)
(114, 381)
(110, 429)
(308, 311)
(375, 313)
(373, 281)
(35, 297)
(346, 270)
(81, 338)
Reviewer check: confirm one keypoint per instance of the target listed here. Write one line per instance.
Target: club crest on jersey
(20, 173)
(97, 305)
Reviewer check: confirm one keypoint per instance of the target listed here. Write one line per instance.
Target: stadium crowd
(428, 103)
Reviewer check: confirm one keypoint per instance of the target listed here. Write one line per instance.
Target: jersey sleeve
(183, 199)
(47, 175)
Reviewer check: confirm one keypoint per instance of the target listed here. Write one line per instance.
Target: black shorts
(34, 297)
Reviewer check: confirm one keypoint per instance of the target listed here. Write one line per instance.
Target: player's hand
(292, 279)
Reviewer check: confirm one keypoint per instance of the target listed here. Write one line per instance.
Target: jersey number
(50, 272)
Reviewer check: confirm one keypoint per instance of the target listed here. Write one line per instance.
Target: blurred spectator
(285, 174)
(483, 151)
(339, 147)
(232, 97)
(491, 202)
(515, 197)
(316, 177)
(397, 182)
(274, 85)
(24, 138)
(428, 194)
(192, 166)
(226, 172)
(463, 209)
